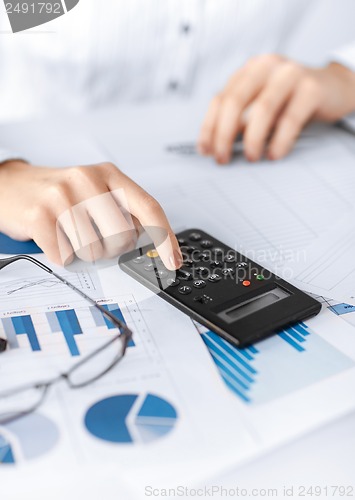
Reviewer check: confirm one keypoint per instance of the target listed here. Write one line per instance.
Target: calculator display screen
(253, 305)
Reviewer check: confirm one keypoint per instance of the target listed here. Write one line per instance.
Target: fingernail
(251, 155)
(222, 158)
(176, 259)
(202, 148)
(273, 155)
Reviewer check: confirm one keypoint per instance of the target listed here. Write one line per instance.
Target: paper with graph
(143, 413)
(179, 382)
(329, 267)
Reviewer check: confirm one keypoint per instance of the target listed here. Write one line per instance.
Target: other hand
(270, 100)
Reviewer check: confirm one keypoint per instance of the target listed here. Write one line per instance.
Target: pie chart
(131, 418)
(27, 438)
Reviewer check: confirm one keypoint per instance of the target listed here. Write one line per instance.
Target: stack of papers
(184, 403)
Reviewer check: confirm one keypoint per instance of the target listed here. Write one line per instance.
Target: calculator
(222, 289)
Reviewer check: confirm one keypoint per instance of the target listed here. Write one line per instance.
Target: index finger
(150, 215)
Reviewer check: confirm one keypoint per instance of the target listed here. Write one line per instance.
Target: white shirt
(107, 51)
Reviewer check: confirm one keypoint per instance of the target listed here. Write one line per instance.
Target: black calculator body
(222, 289)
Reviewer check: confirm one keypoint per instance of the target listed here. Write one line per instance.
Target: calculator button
(195, 255)
(217, 251)
(246, 283)
(139, 260)
(161, 274)
(230, 258)
(206, 244)
(188, 249)
(194, 236)
(216, 263)
(228, 271)
(214, 278)
(173, 282)
(188, 262)
(260, 277)
(202, 299)
(242, 265)
(199, 284)
(185, 290)
(182, 241)
(205, 256)
(152, 254)
(202, 271)
(183, 275)
(149, 267)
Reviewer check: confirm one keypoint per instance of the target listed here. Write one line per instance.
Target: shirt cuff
(344, 55)
(7, 155)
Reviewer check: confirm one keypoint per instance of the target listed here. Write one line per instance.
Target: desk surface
(324, 457)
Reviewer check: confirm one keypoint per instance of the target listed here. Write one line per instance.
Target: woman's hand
(270, 100)
(94, 212)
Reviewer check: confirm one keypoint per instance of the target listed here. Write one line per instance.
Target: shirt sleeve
(344, 55)
(7, 155)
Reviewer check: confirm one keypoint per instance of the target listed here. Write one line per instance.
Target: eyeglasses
(20, 401)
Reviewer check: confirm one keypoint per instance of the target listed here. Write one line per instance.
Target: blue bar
(301, 328)
(53, 322)
(253, 349)
(24, 326)
(97, 316)
(70, 326)
(341, 309)
(230, 383)
(212, 348)
(295, 335)
(243, 352)
(10, 333)
(6, 453)
(246, 354)
(116, 311)
(290, 341)
(222, 367)
(232, 351)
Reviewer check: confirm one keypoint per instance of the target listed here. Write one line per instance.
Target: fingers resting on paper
(269, 100)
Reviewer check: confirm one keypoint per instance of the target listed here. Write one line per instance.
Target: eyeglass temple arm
(15, 258)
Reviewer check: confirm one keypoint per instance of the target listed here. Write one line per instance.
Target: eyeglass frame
(125, 334)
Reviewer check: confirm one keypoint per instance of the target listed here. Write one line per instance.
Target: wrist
(344, 80)
(11, 172)
(10, 166)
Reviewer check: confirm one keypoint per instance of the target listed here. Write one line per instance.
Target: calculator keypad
(222, 289)
(207, 265)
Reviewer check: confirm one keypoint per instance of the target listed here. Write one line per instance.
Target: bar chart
(270, 370)
(20, 325)
(66, 322)
(59, 329)
(345, 311)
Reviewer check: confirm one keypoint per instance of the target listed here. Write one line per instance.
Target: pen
(190, 149)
